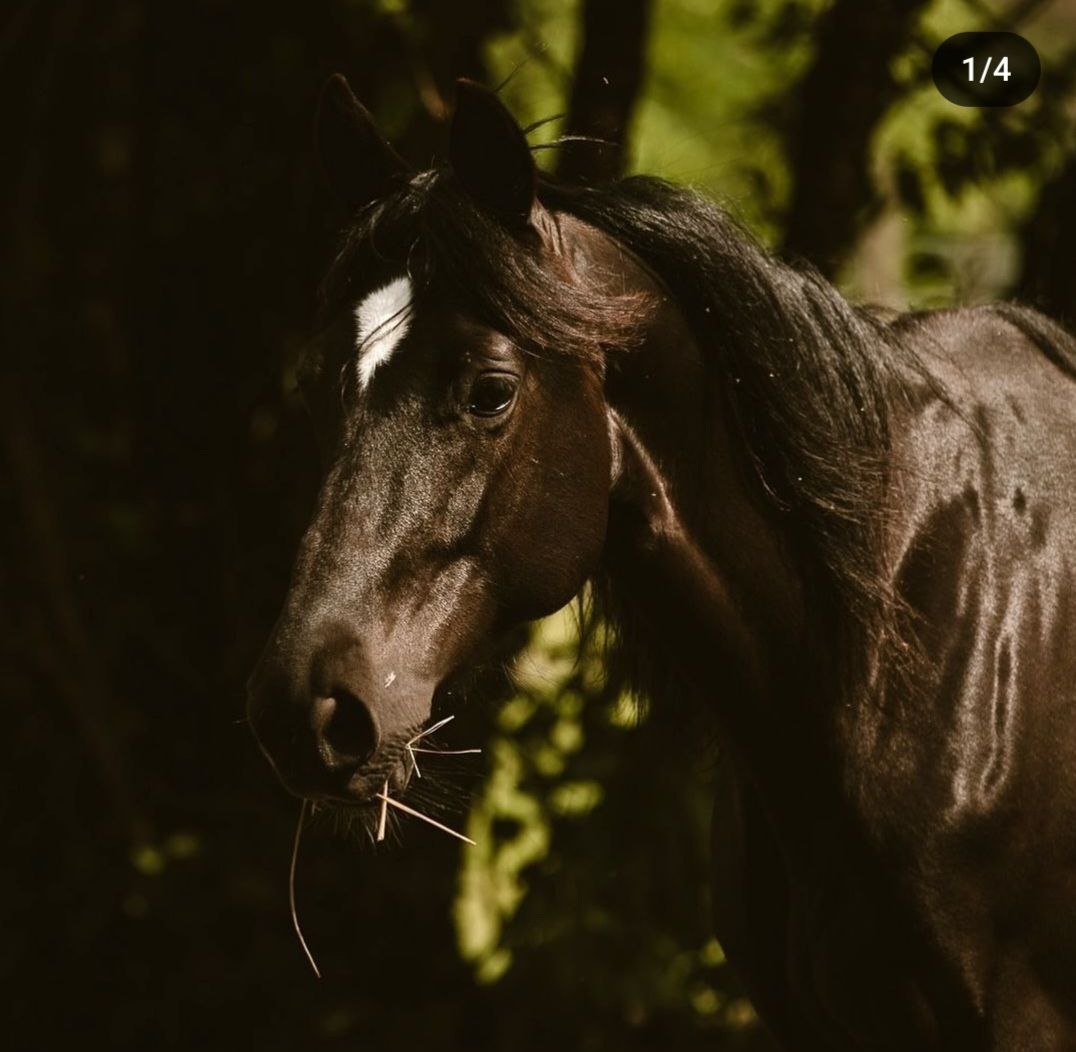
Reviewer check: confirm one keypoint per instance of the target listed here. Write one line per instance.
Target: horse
(849, 536)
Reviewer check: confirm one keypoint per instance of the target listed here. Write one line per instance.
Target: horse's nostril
(347, 727)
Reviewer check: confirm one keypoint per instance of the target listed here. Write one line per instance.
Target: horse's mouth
(390, 776)
(360, 805)
(370, 793)
(392, 768)
(396, 780)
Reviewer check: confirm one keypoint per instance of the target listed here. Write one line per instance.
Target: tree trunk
(608, 76)
(452, 44)
(1048, 280)
(844, 93)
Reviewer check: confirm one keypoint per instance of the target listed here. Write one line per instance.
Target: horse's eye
(491, 394)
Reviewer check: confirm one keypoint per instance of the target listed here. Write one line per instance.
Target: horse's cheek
(560, 532)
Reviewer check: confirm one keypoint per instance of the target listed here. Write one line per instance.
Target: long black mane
(810, 378)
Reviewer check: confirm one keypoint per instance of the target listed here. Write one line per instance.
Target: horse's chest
(857, 974)
(831, 954)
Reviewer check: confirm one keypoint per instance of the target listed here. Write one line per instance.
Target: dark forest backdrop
(163, 236)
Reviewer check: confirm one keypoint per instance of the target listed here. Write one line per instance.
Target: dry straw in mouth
(291, 887)
(411, 748)
(386, 802)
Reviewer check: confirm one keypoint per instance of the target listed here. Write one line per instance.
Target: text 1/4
(1001, 69)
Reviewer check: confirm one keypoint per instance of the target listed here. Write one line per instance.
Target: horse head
(458, 385)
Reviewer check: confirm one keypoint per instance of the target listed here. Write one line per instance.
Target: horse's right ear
(490, 155)
(359, 163)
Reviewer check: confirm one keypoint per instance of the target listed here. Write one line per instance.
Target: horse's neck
(696, 559)
(689, 544)
(707, 572)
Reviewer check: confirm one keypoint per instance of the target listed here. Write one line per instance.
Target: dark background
(164, 233)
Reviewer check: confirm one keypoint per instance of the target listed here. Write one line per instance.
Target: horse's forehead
(387, 315)
(382, 320)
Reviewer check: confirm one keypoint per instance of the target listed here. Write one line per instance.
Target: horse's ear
(490, 155)
(358, 160)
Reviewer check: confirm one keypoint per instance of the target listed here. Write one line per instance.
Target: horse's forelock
(431, 232)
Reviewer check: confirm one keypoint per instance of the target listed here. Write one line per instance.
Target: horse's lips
(365, 785)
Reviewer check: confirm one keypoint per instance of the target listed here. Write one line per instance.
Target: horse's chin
(359, 821)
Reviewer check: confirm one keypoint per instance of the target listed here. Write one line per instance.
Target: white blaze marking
(382, 320)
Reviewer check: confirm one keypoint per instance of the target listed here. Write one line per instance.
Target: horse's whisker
(387, 800)
(429, 730)
(291, 888)
(384, 794)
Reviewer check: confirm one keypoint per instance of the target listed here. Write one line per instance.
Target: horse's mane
(811, 381)
(809, 377)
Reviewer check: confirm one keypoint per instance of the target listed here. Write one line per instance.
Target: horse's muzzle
(328, 724)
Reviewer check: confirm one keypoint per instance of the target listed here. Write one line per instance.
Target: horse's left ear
(357, 159)
(490, 155)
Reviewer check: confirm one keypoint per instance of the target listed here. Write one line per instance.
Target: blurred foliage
(165, 234)
(590, 873)
(962, 180)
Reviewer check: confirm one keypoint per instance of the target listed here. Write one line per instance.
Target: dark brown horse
(851, 538)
